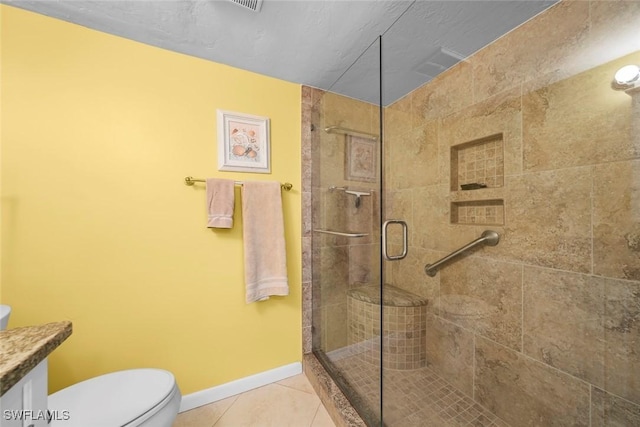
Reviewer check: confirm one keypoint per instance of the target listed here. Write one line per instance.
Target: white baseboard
(213, 394)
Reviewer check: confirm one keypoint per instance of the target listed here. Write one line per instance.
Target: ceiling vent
(254, 5)
(439, 61)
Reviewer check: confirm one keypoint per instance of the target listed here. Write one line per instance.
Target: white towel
(265, 257)
(220, 202)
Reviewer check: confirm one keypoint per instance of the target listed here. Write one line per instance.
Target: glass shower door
(346, 202)
(532, 138)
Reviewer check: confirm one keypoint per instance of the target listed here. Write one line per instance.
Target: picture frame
(243, 142)
(361, 159)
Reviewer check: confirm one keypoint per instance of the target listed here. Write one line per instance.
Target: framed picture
(360, 159)
(243, 142)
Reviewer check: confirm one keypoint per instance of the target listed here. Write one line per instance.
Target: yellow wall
(98, 133)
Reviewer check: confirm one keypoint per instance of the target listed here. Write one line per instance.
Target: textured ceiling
(308, 42)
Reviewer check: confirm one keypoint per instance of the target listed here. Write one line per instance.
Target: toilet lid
(111, 400)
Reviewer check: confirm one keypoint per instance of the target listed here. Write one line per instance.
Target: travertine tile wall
(543, 329)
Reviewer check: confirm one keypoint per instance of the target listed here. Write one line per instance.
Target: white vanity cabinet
(25, 404)
(23, 373)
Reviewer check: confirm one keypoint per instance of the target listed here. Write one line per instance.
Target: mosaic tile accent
(480, 161)
(414, 398)
(404, 327)
(479, 212)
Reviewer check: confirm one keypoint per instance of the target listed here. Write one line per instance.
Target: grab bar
(340, 233)
(488, 237)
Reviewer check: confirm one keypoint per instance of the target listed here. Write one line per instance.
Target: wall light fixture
(627, 77)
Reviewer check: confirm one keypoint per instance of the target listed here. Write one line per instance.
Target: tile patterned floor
(414, 398)
(288, 403)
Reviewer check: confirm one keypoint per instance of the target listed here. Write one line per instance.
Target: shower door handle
(385, 253)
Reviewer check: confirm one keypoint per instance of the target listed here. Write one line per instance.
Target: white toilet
(5, 313)
(131, 398)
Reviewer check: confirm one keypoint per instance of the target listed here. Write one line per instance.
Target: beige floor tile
(272, 405)
(322, 418)
(204, 416)
(298, 382)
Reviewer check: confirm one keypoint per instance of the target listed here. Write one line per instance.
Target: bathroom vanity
(23, 372)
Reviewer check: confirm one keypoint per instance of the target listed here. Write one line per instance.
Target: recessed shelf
(478, 212)
(480, 161)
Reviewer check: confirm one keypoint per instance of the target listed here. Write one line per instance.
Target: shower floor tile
(413, 398)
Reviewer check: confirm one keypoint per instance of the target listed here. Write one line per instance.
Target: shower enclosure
(529, 137)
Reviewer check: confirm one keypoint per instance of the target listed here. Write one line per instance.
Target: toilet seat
(124, 398)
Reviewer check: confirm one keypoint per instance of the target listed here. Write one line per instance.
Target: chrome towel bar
(352, 132)
(191, 180)
(488, 237)
(340, 233)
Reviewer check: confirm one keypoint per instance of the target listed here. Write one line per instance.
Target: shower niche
(477, 181)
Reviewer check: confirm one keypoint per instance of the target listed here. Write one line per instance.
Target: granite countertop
(21, 349)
